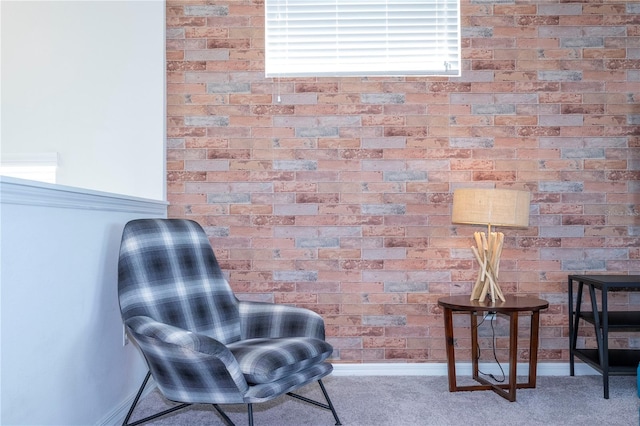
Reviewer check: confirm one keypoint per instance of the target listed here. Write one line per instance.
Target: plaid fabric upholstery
(201, 344)
(168, 272)
(267, 391)
(268, 360)
(200, 371)
(274, 321)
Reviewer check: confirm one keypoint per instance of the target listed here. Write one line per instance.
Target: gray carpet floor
(425, 400)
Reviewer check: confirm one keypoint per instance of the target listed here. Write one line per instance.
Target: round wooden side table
(511, 307)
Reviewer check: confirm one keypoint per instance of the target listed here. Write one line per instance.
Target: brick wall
(338, 197)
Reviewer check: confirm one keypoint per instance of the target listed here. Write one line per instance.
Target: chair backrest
(167, 271)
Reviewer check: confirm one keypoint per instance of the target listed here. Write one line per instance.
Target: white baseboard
(464, 369)
(116, 416)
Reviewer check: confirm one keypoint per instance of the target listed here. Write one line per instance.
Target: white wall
(86, 79)
(63, 360)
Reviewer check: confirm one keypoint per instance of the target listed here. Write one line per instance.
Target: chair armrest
(188, 367)
(166, 333)
(269, 320)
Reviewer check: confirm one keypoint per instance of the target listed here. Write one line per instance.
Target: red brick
(436, 131)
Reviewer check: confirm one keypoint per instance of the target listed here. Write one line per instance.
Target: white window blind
(362, 37)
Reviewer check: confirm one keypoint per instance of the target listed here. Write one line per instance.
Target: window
(362, 37)
(34, 166)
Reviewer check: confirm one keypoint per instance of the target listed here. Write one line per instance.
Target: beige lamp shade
(495, 207)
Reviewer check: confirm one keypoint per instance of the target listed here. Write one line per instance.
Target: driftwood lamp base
(487, 253)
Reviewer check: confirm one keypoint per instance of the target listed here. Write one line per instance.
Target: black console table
(621, 362)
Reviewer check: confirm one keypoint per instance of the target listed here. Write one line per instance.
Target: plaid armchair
(203, 345)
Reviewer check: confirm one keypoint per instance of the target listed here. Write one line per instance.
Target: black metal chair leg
(227, 420)
(328, 406)
(224, 416)
(135, 400)
(155, 416)
(333, 410)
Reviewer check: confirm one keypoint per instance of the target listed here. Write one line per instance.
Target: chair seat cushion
(267, 360)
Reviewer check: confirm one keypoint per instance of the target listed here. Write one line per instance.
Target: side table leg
(474, 346)
(533, 348)
(451, 356)
(513, 355)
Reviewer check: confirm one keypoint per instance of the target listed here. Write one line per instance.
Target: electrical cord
(495, 356)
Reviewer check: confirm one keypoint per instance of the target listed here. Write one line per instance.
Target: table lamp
(491, 207)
